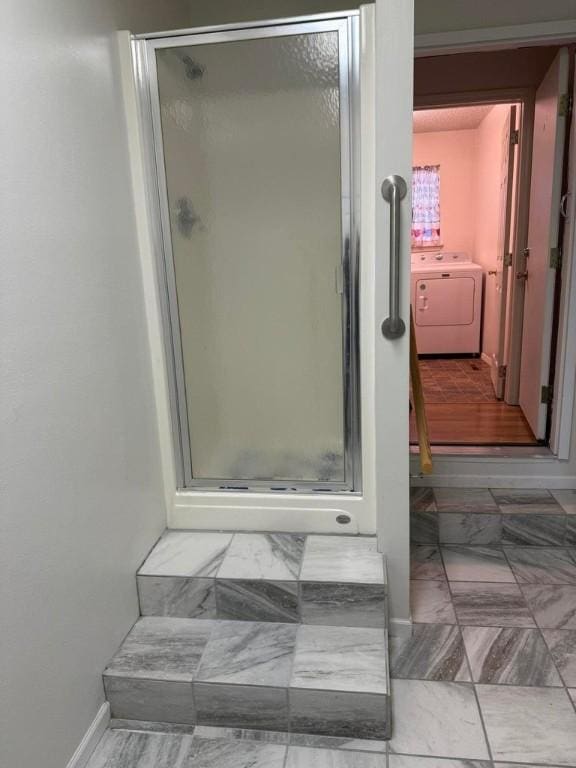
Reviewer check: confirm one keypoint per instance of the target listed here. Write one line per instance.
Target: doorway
(487, 174)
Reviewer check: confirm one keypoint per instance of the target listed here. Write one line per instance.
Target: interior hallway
(462, 409)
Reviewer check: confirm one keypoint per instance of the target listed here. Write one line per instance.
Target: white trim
(565, 380)
(91, 738)
(148, 267)
(486, 358)
(494, 38)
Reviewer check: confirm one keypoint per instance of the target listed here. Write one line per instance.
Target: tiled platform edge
(479, 516)
(330, 681)
(328, 580)
(276, 632)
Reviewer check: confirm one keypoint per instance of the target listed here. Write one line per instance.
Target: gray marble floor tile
(230, 753)
(537, 565)
(422, 499)
(572, 694)
(337, 713)
(570, 534)
(258, 600)
(247, 653)
(410, 761)
(424, 526)
(270, 556)
(509, 656)
(335, 742)
(470, 528)
(562, 645)
(177, 596)
(536, 502)
(187, 553)
(533, 530)
(431, 602)
(433, 652)
(348, 605)
(499, 605)
(342, 559)
(340, 659)
(241, 734)
(151, 700)
(567, 500)
(426, 563)
(529, 725)
(476, 564)
(161, 648)
(130, 749)
(240, 706)
(309, 757)
(553, 605)
(464, 500)
(436, 719)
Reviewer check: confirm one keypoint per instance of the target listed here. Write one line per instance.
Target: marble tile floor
(481, 516)
(313, 579)
(488, 677)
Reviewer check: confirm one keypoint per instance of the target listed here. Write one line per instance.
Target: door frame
(321, 512)
(532, 467)
(524, 97)
(145, 48)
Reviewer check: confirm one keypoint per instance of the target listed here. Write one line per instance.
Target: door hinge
(514, 137)
(502, 371)
(507, 259)
(546, 395)
(555, 258)
(564, 105)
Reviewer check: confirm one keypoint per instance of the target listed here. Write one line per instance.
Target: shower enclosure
(251, 138)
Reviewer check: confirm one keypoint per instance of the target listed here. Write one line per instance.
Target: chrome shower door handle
(394, 191)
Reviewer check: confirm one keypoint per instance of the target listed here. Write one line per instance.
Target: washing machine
(446, 297)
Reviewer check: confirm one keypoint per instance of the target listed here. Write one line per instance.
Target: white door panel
(500, 284)
(545, 192)
(394, 48)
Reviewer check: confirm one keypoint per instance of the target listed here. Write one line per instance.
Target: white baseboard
(487, 359)
(91, 738)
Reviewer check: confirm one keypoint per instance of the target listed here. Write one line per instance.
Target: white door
(499, 285)
(543, 230)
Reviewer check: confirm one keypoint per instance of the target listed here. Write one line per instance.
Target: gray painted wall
(81, 493)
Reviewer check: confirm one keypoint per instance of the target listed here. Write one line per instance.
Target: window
(425, 205)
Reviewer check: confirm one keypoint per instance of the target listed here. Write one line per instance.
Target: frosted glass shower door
(252, 145)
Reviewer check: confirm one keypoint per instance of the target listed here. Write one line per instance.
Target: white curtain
(426, 205)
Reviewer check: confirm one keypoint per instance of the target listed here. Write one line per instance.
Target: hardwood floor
(462, 408)
(475, 424)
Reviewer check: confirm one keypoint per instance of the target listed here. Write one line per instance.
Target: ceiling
(450, 118)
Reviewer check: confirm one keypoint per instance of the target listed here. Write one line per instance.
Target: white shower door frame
(144, 52)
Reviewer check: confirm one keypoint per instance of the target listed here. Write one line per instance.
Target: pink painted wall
(455, 152)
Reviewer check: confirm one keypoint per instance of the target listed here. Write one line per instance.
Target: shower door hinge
(546, 395)
(555, 258)
(564, 105)
(507, 259)
(514, 137)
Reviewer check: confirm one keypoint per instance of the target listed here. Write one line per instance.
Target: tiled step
(289, 578)
(150, 745)
(322, 680)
